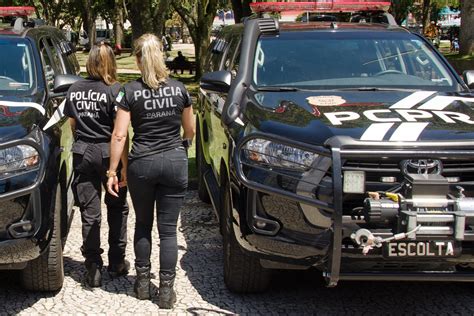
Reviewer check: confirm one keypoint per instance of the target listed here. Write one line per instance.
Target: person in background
(91, 109)
(179, 62)
(158, 107)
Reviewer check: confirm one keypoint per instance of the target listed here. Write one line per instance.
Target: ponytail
(152, 66)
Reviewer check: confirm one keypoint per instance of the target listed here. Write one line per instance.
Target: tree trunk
(141, 18)
(118, 22)
(89, 21)
(201, 41)
(426, 11)
(466, 35)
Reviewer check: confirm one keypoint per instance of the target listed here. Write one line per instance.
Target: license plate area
(422, 249)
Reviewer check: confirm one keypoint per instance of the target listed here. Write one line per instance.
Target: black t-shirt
(155, 114)
(92, 104)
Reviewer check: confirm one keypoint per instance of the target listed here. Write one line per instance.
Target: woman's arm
(188, 123)
(117, 145)
(124, 160)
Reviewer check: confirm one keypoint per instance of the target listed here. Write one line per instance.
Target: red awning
(16, 11)
(321, 6)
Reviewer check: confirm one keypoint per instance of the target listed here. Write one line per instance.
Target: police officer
(158, 169)
(90, 106)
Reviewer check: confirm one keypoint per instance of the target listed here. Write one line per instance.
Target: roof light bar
(16, 11)
(321, 6)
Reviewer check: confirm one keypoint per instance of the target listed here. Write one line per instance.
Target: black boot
(93, 275)
(118, 269)
(167, 295)
(142, 283)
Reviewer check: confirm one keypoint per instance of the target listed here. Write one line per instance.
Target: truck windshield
(17, 71)
(349, 59)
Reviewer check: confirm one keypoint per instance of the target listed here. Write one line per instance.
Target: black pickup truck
(345, 147)
(37, 66)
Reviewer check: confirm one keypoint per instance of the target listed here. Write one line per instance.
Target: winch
(423, 206)
(424, 194)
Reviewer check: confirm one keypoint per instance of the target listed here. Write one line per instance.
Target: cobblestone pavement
(201, 289)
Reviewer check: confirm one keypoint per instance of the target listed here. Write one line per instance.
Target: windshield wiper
(374, 89)
(278, 89)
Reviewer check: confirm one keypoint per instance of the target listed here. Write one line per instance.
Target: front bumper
(21, 215)
(339, 261)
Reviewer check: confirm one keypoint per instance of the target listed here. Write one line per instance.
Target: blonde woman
(157, 173)
(90, 104)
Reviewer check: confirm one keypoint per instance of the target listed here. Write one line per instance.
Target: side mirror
(468, 77)
(63, 82)
(218, 81)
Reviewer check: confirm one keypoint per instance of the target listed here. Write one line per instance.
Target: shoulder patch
(120, 96)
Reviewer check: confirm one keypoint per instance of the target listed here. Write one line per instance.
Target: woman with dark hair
(158, 107)
(91, 109)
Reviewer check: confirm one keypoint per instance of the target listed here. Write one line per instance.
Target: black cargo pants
(90, 162)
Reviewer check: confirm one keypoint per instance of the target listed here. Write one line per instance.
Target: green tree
(198, 16)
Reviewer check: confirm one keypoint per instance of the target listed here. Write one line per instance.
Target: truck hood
(315, 116)
(18, 116)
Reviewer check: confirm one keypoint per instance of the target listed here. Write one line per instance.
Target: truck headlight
(278, 155)
(18, 158)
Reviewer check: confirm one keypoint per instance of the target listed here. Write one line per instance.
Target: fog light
(354, 182)
(453, 179)
(388, 179)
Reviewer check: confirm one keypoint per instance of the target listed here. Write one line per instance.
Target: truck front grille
(375, 169)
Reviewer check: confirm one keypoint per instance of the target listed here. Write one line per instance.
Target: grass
(457, 56)
(444, 48)
(124, 61)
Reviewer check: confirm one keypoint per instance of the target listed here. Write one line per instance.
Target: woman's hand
(113, 186)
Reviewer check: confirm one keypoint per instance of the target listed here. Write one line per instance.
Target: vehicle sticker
(57, 116)
(412, 100)
(407, 121)
(324, 100)
(24, 104)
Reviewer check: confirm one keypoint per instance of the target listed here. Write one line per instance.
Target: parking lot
(201, 289)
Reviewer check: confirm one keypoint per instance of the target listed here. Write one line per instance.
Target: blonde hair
(101, 64)
(148, 50)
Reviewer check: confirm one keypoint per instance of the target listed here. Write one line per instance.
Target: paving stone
(201, 290)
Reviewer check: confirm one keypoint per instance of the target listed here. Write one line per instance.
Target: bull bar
(339, 148)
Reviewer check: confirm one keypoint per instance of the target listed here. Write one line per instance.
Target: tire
(242, 273)
(200, 164)
(46, 273)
